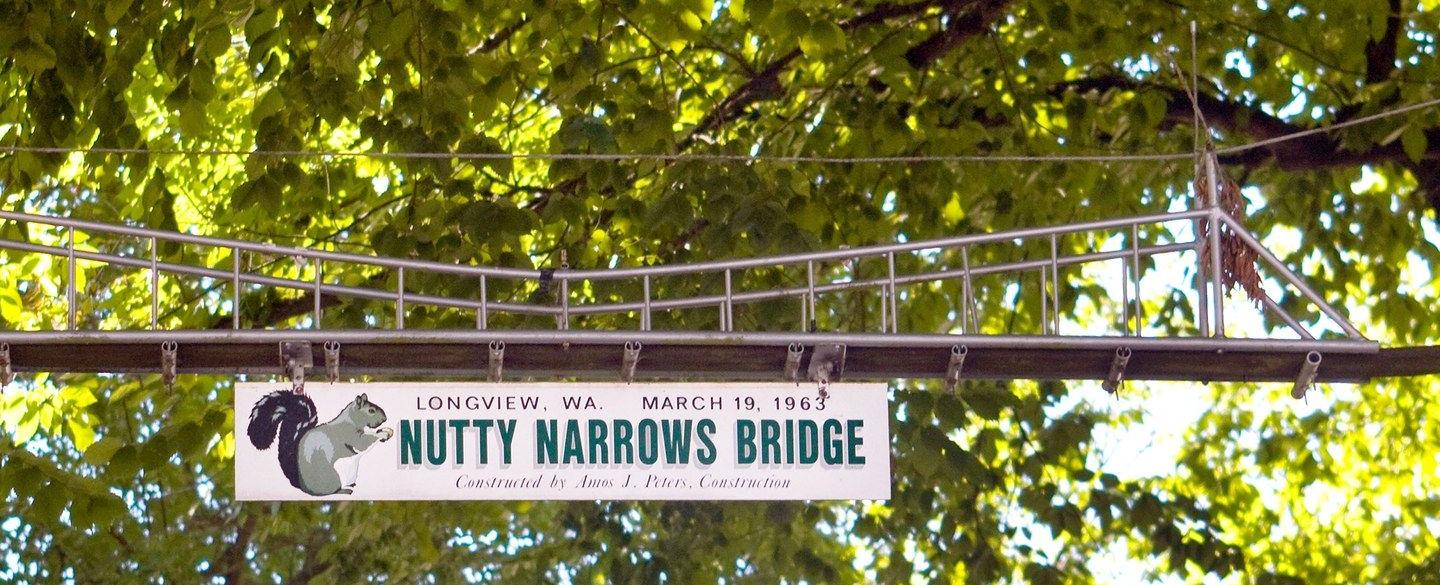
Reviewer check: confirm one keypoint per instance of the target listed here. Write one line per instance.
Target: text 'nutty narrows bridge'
(726, 352)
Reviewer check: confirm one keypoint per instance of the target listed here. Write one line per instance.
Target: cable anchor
(1117, 370)
(827, 363)
(497, 360)
(168, 359)
(1116, 376)
(332, 361)
(295, 356)
(792, 363)
(630, 361)
(1308, 370)
(956, 366)
(7, 375)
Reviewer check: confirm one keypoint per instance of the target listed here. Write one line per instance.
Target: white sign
(561, 441)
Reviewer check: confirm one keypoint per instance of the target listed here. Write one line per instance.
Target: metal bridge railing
(889, 287)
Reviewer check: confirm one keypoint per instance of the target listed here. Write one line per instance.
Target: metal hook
(332, 361)
(6, 374)
(297, 378)
(497, 360)
(957, 365)
(1117, 370)
(167, 363)
(792, 362)
(826, 364)
(295, 356)
(631, 360)
(1308, 369)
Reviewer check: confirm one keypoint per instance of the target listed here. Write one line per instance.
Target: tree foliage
(998, 482)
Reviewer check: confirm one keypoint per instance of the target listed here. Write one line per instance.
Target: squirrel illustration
(308, 451)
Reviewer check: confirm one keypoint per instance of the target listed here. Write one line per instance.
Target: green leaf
(29, 424)
(758, 10)
(123, 464)
(1414, 142)
(402, 28)
(585, 134)
(1109, 480)
(114, 9)
(81, 433)
(736, 8)
(268, 105)
(34, 56)
(49, 502)
(106, 510)
(102, 450)
(10, 306)
(487, 145)
(822, 38)
(988, 400)
(1147, 510)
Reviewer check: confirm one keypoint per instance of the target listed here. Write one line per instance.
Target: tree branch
(234, 555)
(281, 310)
(1380, 53)
(965, 22)
(499, 38)
(764, 84)
(1316, 151)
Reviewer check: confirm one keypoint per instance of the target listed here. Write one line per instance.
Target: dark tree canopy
(995, 482)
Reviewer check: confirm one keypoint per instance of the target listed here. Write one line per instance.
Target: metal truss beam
(701, 355)
(726, 353)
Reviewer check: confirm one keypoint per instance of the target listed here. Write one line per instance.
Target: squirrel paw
(385, 434)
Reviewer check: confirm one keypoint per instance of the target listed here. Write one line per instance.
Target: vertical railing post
(894, 308)
(728, 314)
(235, 287)
(810, 295)
(482, 316)
(884, 308)
(400, 300)
(318, 275)
(804, 313)
(1135, 274)
(564, 303)
(645, 311)
(1201, 285)
(1044, 302)
(1055, 281)
(1212, 189)
(1124, 297)
(154, 285)
(967, 296)
(70, 281)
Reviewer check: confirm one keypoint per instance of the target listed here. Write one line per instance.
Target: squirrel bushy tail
(291, 415)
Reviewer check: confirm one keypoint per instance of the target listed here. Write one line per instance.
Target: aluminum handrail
(1211, 216)
(585, 309)
(607, 274)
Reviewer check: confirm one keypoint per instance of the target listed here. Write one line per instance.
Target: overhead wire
(716, 157)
